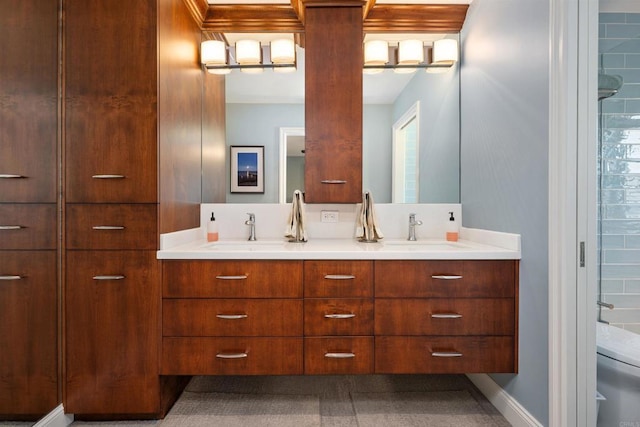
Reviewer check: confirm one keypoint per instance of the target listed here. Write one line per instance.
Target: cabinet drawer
(28, 226)
(109, 226)
(236, 317)
(344, 355)
(396, 279)
(231, 356)
(444, 316)
(232, 279)
(447, 354)
(340, 279)
(338, 317)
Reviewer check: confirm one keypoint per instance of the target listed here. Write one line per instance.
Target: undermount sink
(245, 245)
(422, 245)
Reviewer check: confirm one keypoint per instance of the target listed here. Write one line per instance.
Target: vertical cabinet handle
(446, 354)
(339, 276)
(11, 227)
(10, 277)
(113, 277)
(107, 176)
(446, 277)
(11, 176)
(240, 277)
(446, 316)
(108, 227)
(338, 355)
(232, 355)
(231, 316)
(340, 316)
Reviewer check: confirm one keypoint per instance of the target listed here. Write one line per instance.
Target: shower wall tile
(607, 18)
(623, 300)
(624, 256)
(632, 106)
(614, 106)
(629, 91)
(623, 212)
(621, 181)
(621, 167)
(621, 271)
(632, 286)
(632, 242)
(622, 31)
(622, 315)
(612, 196)
(622, 121)
(612, 242)
(614, 226)
(632, 60)
(612, 286)
(632, 196)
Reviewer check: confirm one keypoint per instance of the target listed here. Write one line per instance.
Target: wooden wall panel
(214, 148)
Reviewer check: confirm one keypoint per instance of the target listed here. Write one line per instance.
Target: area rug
(234, 410)
(413, 409)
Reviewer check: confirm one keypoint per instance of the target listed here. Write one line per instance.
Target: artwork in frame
(247, 169)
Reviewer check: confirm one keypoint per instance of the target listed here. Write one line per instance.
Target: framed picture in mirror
(247, 169)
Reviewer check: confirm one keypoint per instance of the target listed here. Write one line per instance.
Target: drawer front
(344, 355)
(232, 279)
(338, 317)
(445, 316)
(231, 356)
(442, 279)
(105, 226)
(28, 226)
(448, 354)
(338, 279)
(235, 317)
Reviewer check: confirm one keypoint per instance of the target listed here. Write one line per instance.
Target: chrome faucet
(412, 227)
(251, 222)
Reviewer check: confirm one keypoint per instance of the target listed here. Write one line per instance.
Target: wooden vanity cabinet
(446, 316)
(232, 318)
(338, 317)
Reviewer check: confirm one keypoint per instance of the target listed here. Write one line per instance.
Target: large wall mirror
(267, 109)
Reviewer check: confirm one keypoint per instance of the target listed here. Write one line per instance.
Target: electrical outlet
(329, 216)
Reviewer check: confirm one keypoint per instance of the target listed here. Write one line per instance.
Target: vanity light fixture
(409, 55)
(248, 56)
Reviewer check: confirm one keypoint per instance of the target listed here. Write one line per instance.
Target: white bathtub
(618, 376)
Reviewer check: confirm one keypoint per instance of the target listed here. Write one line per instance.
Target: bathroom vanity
(280, 308)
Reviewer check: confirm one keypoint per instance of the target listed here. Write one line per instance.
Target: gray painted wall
(504, 162)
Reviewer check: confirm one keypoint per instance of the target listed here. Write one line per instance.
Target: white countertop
(333, 249)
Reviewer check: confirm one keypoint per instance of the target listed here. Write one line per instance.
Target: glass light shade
(283, 51)
(219, 71)
(213, 52)
(404, 70)
(248, 52)
(410, 52)
(445, 51)
(372, 70)
(252, 70)
(284, 69)
(376, 52)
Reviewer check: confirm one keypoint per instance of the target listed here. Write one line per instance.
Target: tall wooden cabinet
(28, 209)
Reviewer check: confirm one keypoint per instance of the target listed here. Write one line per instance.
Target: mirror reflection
(404, 161)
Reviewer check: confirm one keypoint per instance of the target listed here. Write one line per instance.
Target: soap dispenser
(452, 229)
(212, 229)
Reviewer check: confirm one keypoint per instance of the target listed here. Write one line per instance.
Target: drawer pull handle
(115, 277)
(11, 227)
(333, 181)
(108, 227)
(339, 355)
(339, 276)
(108, 176)
(231, 355)
(446, 316)
(11, 176)
(10, 277)
(446, 277)
(231, 316)
(241, 277)
(446, 354)
(340, 316)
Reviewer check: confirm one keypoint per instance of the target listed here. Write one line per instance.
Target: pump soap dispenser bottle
(452, 229)
(212, 229)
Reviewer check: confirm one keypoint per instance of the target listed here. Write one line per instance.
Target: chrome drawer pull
(339, 276)
(333, 181)
(10, 277)
(108, 227)
(231, 316)
(446, 277)
(446, 354)
(339, 316)
(11, 227)
(339, 355)
(107, 176)
(11, 176)
(117, 277)
(231, 355)
(446, 316)
(242, 277)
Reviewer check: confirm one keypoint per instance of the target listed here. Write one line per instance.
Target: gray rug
(413, 409)
(233, 410)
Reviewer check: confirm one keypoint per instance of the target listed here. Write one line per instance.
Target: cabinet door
(28, 331)
(333, 104)
(111, 101)
(28, 101)
(112, 332)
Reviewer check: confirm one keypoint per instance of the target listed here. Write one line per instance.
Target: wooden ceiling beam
(252, 18)
(415, 18)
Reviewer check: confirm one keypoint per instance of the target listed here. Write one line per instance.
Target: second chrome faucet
(412, 227)
(251, 222)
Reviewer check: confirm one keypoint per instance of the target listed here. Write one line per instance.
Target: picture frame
(247, 168)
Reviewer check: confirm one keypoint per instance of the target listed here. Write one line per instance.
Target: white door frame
(572, 209)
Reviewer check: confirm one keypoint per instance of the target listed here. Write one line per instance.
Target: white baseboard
(55, 418)
(510, 408)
